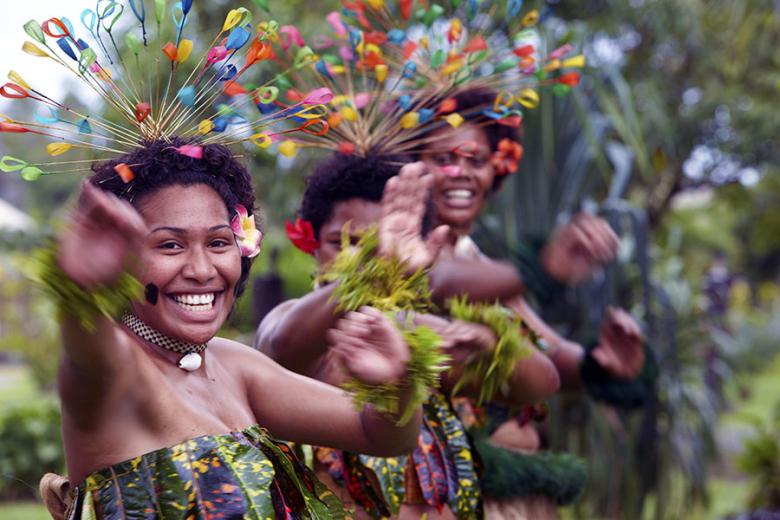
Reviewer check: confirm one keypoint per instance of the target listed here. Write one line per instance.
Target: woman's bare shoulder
(238, 355)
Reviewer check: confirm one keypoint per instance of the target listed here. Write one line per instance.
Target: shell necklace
(190, 361)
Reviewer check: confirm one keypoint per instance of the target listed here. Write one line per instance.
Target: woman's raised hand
(99, 238)
(404, 202)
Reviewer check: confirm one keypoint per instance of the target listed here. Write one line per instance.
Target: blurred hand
(369, 347)
(96, 243)
(404, 202)
(575, 251)
(620, 351)
(463, 340)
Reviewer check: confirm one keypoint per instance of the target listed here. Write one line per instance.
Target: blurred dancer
(438, 478)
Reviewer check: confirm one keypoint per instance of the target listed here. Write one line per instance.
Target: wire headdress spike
(157, 84)
(395, 68)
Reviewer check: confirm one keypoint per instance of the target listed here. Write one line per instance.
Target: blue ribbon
(426, 114)
(322, 68)
(84, 126)
(142, 15)
(220, 124)
(409, 70)
(66, 48)
(238, 38)
(229, 73)
(55, 116)
(396, 36)
(187, 96)
(513, 8)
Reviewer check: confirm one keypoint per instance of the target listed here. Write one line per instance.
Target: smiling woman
(139, 431)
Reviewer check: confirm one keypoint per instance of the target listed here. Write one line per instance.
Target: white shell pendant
(190, 362)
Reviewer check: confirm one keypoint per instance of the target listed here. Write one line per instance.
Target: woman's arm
(565, 355)
(93, 250)
(294, 333)
(619, 352)
(300, 409)
(483, 280)
(534, 378)
(97, 363)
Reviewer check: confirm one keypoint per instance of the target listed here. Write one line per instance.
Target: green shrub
(30, 445)
(761, 462)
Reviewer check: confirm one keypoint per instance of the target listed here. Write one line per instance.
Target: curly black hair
(342, 177)
(156, 165)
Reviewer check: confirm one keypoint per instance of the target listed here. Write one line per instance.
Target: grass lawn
(23, 511)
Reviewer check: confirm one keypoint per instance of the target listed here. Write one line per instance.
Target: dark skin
(294, 332)
(462, 184)
(123, 397)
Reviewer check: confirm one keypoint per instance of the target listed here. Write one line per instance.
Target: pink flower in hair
(247, 234)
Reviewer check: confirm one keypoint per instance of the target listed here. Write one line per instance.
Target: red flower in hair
(507, 156)
(301, 234)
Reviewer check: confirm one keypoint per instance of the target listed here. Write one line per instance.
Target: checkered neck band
(144, 331)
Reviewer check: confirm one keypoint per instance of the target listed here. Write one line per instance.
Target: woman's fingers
(99, 208)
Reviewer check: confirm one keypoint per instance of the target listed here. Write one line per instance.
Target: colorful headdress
(156, 84)
(395, 68)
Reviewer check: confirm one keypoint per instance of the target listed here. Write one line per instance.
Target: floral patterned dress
(238, 475)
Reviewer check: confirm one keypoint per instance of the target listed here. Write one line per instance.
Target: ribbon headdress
(156, 84)
(394, 68)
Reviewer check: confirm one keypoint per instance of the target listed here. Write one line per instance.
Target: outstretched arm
(294, 333)
(371, 350)
(619, 351)
(566, 355)
(94, 250)
(483, 279)
(533, 379)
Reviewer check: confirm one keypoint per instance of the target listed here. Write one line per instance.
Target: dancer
(160, 418)
(361, 192)
(480, 156)
(158, 414)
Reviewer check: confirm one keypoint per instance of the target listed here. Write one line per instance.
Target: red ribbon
(20, 93)
(60, 25)
(142, 111)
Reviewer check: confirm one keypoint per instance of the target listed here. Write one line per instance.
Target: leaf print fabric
(240, 475)
(442, 469)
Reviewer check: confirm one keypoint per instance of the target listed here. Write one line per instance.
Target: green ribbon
(33, 28)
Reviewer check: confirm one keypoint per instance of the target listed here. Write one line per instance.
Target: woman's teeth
(195, 302)
(458, 194)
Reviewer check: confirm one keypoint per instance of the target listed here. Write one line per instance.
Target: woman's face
(191, 255)
(460, 161)
(360, 213)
